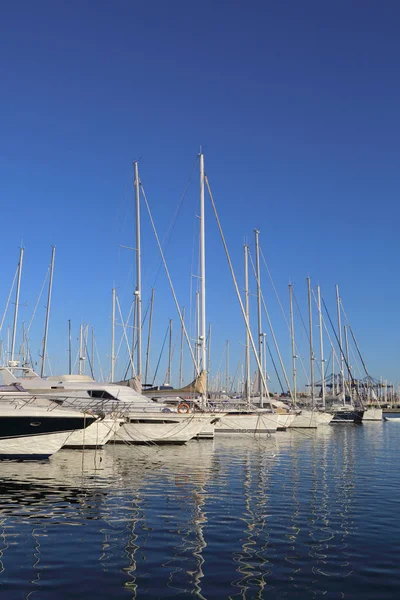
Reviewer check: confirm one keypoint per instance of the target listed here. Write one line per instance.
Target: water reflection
(280, 517)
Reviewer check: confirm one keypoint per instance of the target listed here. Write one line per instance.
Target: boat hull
(347, 417)
(285, 420)
(373, 414)
(171, 428)
(95, 436)
(32, 447)
(311, 419)
(240, 423)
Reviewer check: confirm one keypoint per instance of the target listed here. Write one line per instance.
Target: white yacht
(125, 415)
(35, 428)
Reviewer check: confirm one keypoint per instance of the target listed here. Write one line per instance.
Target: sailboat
(307, 419)
(344, 411)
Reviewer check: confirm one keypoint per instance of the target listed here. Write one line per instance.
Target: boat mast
(92, 353)
(202, 337)
(181, 350)
(149, 335)
(247, 311)
(168, 378)
(340, 344)
(293, 344)
(260, 335)
(138, 290)
(81, 358)
(346, 343)
(46, 327)
(311, 342)
(209, 349)
(14, 332)
(197, 354)
(113, 334)
(69, 348)
(321, 347)
(227, 366)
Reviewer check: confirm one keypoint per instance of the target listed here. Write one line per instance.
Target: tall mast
(209, 348)
(340, 344)
(260, 335)
(346, 343)
(168, 378)
(333, 372)
(69, 348)
(202, 337)
(134, 332)
(197, 354)
(293, 344)
(321, 347)
(149, 335)
(81, 357)
(14, 332)
(113, 334)
(138, 291)
(46, 327)
(247, 311)
(181, 350)
(227, 366)
(92, 353)
(311, 341)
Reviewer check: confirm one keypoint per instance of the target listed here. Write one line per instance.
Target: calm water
(301, 515)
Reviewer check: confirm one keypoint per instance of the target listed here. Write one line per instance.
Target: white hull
(94, 436)
(285, 420)
(239, 423)
(34, 446)
(167, 428)
(207, 433)
(373, 414)
(393, 419)
(310, 419)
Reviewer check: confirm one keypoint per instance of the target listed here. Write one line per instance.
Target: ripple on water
(300, 514)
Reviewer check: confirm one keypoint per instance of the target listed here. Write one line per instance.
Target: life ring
(183, 407)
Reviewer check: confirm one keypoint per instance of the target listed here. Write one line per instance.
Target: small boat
(392, 419)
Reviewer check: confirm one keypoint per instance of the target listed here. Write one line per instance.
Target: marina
(293, 515)
(199, 320)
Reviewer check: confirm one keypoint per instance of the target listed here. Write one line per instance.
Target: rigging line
(37, 303)
(275, 369)
(143, 322)
(342, 353)
(171, 284)
(354, 339)
(124, 325)
(296, 347)
(160, 355)
(172, 355)
(98, 360)
(88, 356)
(272, 332)
(358, 349)
(8, 299)
(236, 372)
(283, 311)
(264, 382)
(126, 337)
(171, 227)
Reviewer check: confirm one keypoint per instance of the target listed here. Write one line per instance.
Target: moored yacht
(128, 416)
(35, 428)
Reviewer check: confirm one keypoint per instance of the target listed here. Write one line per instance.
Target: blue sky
(296, 106)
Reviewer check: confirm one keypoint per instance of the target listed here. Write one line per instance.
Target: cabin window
(102, 394)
